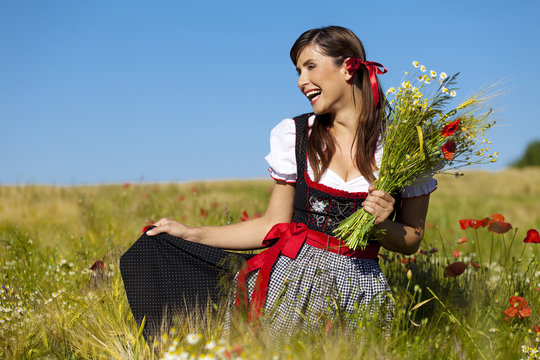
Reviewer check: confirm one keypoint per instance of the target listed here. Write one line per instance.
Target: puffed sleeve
(421, 186)
(282, 157)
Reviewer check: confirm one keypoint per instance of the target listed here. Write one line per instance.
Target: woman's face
(322, 82)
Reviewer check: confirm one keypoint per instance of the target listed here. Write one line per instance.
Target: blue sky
(129, 91)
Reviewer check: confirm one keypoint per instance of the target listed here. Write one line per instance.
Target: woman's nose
(302, 82)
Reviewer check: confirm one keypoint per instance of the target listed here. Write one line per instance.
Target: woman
(323, 164)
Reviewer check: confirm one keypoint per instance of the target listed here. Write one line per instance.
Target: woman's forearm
(240, 236)
(399, 237)
(406, 233)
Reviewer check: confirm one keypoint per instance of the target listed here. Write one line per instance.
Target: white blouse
(282, 162)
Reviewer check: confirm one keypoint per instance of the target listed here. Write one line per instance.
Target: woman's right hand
(173, 228)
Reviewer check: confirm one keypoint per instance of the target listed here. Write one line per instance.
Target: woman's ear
(350, 66)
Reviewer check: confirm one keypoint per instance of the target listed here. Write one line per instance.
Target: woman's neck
(345, 121)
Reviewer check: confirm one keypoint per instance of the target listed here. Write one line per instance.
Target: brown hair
(341, 43)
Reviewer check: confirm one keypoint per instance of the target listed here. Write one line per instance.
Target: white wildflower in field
(422, 68)
(442, 76)
(453, 93)
(416, 64)
(192, 339)
(433, 74)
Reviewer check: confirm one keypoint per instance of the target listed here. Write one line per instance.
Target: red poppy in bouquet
(456, 253)
(518, 306)
(449, 149)
(450, 128)
(475, 265)
(532, 237)
(462, 240)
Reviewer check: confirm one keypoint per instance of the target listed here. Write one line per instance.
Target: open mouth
(313, 95)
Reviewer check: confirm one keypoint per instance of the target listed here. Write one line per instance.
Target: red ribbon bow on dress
(353, 64)
(288, 239)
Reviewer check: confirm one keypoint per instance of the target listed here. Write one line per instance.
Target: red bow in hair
(353, 64)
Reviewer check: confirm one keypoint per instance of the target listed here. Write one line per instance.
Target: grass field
(53, 305)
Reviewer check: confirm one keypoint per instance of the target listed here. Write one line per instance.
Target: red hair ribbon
(353, 64)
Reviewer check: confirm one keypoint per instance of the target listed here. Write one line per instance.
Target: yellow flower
(444, 90)
(415, 64)
(422, 68)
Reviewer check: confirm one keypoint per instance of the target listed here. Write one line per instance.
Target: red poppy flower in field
(456, 253)
(462, 240)
(455, 269)
(497, 217)
(246, 217)
(451, 128)
(475, 224)
(482, 223)
(203, 212)
(475, 265)
(532, 237)
(237, 348)
(499, 227)
(536, 329)
(449, 149)
(145, 229)
(97, 266)
(518, 306)
(181, 198)
(194, 190)
(467, 223)
(126, 185)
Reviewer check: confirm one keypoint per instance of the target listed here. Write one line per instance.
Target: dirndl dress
(305, 277)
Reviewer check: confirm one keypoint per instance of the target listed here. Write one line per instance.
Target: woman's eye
(311, 67)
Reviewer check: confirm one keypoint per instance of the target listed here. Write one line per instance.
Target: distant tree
(531, 157)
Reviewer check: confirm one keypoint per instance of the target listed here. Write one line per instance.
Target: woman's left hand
(378, 203)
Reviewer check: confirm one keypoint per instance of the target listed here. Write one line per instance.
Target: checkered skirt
(304, 293)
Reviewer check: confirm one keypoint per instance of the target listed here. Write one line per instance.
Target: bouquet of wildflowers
(423, 137)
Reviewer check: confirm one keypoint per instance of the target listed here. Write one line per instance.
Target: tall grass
(52, 305)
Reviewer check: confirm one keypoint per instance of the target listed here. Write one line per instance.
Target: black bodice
(321, 207)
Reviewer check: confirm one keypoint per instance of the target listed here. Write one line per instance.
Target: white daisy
(415, 63)
(192, 339)
(443, 75)
(422, 68)
(444, 90)
(452, 93)
(433, 74)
